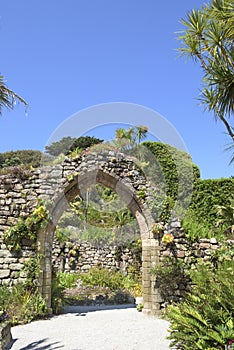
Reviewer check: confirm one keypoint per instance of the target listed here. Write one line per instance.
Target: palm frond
(8, 98)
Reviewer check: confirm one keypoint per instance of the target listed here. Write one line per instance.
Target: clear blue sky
(67, 55)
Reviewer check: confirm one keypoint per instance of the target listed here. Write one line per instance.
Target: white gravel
(87, 329)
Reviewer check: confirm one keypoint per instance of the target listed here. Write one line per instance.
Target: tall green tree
(8, 98)
(208, 39)
(68, 144)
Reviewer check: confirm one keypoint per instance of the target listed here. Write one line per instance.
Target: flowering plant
(3, 316)
(168, 238)
(157, 228)
(230, 345)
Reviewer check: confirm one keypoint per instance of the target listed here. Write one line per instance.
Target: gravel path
(88, 329)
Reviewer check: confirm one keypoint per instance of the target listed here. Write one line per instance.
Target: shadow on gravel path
(102, 328)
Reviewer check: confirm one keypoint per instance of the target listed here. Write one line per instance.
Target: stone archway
(121, 175)
(59, 184)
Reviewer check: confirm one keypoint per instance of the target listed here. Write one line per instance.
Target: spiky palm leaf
(208, 38)
(8, 98)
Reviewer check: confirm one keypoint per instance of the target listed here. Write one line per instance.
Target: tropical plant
(208, 39)
(204, 320)
(8, 98)
(129, 139)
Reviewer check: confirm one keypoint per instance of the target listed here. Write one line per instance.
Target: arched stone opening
(139, 209)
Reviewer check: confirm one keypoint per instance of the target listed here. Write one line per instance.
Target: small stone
(16, 267)
(4, 273)
(204, 245)
(180, 254)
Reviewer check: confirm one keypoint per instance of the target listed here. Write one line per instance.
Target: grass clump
(22, 305)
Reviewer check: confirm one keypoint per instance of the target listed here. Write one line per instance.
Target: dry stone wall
(190, 253)
(82, 256)
(58, 185)
(20, 190)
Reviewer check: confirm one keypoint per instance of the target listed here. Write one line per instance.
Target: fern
(204, 320)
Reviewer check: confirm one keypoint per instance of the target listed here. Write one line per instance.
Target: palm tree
(8, 98)
(208, 39)
(141, 132)
(124, 138)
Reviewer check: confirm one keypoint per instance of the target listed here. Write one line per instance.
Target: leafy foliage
(80, 288)
(196, 228)
(22, 305)
(225, 214)
(179, 175)
(69, 144)
(210, 213)
(208, 39)
(28, 158)
(26, 228)
(207, 195)
(129, 139)
(32, 269)
(204, 320)
(99, 218)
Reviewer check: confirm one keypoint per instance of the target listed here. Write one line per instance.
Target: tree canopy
(22, 157)
(68, 144)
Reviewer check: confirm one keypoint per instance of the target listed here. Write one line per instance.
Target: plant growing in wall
(157, 228)
(32, 270)
(170, 276)
(26, 228)
(167, 238)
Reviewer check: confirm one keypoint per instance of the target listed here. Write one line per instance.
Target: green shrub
(208, 195)
(29, 158)
(114, 280)
(196, 228)
(21, 304)
(67, 280)
(32, 268)
(174, 173)
(57, 295)
(204, 320)
(102, 278)
(60, 283)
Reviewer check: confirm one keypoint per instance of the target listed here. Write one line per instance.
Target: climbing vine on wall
(26, 229)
